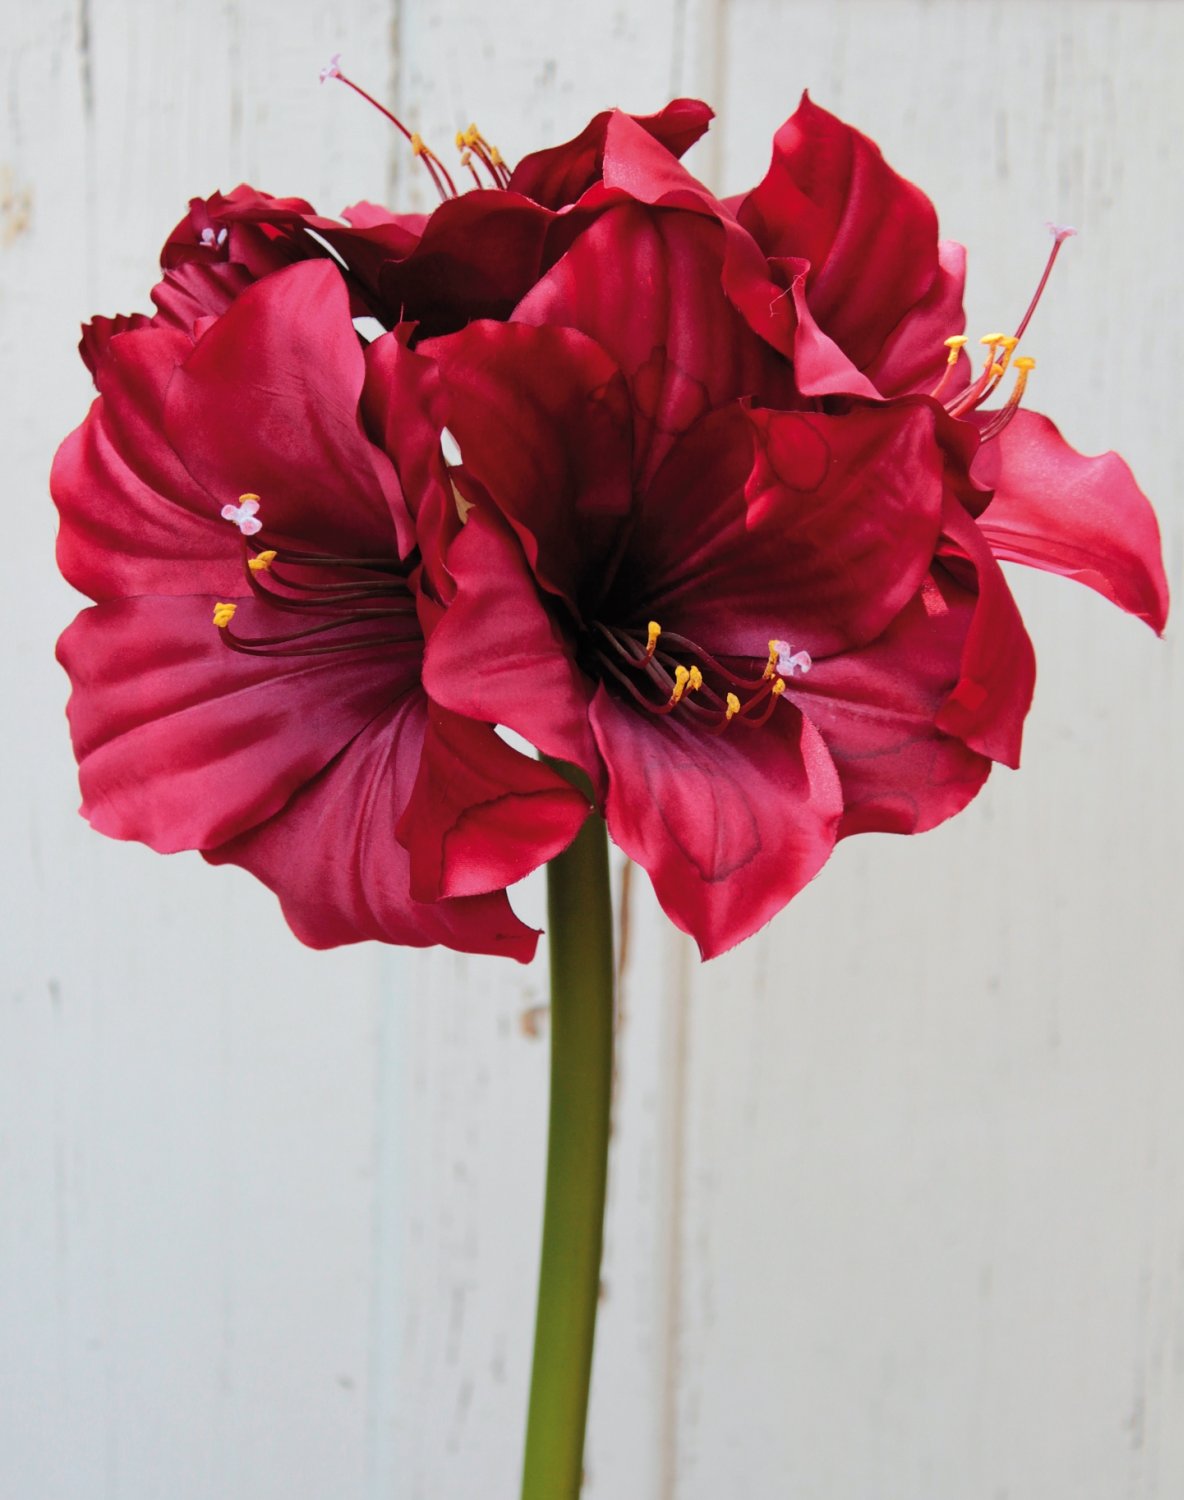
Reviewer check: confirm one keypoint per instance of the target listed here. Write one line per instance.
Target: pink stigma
(332, 68)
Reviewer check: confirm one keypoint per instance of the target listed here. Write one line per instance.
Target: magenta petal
(341, 875)
(877, 708)
(183, 743)
(268, 403)
(728, 826)
(1084, 518)
(830, 198)
(561, 174)
(133, 520)
(499, 654)
(988, 705)
(646, 284)
(482, 815)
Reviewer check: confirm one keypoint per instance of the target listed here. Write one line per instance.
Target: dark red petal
(728, 826)
(877, 707)
(646, 285)
(197, 289)
(479, 254)
(341, 875)
(560, 174)
(988, 706)
(482, 815)
(820, 367)
(870, 236)
(541, 416)
(914, 356)
(798, 526)
(502, 655)
(133, 520)
(637, 166)
(182, 743)
(99, 332)
(268, 403)
(1084, 518)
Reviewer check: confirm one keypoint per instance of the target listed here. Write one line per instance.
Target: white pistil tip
(1060, 232)
(332, 68)
(450, 448)
(210, 239)
(790, 661)
(244, 515)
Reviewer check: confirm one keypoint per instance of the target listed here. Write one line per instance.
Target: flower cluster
(700, 497)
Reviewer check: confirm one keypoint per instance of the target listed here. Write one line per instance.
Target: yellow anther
(461, 143)
(996, 370)
(495, 157)
(771, 664)
(696, 680)
(992, 338)
(261, 562)
(733, 708)
(250, 495)
(1025, 362)
(223, 614)
(681, 678)
(1009, 342)
(477, 138)
(778, 687)
(956, 340)
(466, 157)
(654, 630)
(417, 144)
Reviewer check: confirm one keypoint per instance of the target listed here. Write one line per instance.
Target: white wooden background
(897, 1209)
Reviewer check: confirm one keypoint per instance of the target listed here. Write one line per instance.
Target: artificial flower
(248, 681)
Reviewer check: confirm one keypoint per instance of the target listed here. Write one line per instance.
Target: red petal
(559, 175)
(341, 875)
(821, 537)
(542, 420)
(728, 826)
(646, 285)
(482, 815)
(998, 671)
(877, 707)
(499, 654)
(914, 357)
(182, 743)
(1084, 518)
(133, 520)
(268, 402)
(870, 236)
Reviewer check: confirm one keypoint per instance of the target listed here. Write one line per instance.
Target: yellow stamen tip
(778, 687)
(461, 143)
(681, 678)
(261, 562)
(466, 158)
(1025, 362)
(733, 707)
(417, 144)
(696, 680)
(996, 370)
(1009, 342)
(223, 614)
(654, 630)
(495, 157)
(250, 495)
(956, 340)
(992, 338)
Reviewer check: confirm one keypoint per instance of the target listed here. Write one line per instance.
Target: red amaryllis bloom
(858, 246)
(783, 627)
(248, 682)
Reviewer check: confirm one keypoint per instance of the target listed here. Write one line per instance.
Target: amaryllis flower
(858, 246)
(787, 629)
(248, 681)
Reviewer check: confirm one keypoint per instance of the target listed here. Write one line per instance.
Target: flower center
(1000, 349)
(377, 589)
(653, 669)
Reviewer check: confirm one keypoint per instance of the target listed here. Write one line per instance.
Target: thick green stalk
(579, 926)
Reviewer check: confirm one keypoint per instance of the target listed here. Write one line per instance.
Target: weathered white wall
(898, 1189)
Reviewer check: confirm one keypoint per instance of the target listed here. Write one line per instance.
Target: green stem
(579, 912)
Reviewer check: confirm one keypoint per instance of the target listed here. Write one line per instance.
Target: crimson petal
(730, 826)
(183, 743)
(341, 875)
(1084, 518)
